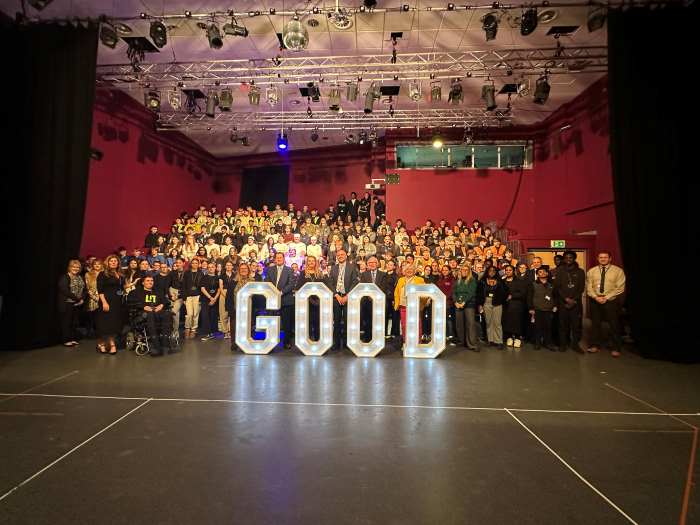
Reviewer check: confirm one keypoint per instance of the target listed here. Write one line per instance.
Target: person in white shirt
(298, 246)
(248, 247)
(211, 245)
(605, 285)
(314, 248)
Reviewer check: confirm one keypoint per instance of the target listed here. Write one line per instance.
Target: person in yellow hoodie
(400, 301)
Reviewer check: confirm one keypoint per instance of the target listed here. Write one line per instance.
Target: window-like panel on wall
(462, 156)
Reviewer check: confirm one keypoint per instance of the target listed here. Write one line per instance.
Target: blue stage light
(282, 142)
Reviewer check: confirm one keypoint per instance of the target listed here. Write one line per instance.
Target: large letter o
(376, 344)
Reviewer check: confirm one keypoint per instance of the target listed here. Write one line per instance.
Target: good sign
(270, 325)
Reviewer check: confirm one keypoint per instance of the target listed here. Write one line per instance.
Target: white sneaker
(509, 341)
(207, 337)
(517, 343)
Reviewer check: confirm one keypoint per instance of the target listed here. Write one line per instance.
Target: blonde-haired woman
(464, 294)
(109, 319)
(312, 274)
(190, 248)
(245, 275)
(71, 294)
(93, 298)
(400, 300)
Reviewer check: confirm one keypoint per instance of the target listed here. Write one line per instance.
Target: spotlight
(362, 137)
(334, 99)
(405, 7)
(108, 35)
(528, 21)
(435, 92)
(188, 14)
(272, 94)
(174, 100)
(541, 90)
(212, 102)
(273, 11)
(456, 94)
(373, 94)
(350, 138)
(437, 141)
(315, 10)
(314, 135)
(39, 4)
(295, 37)
(362, 9)
(214, 37)
(122, 28)
(282, 142)
(450, 7)
(254, 95)
(159, 34)
(233, 29)
(351, 92)
(369, 4)
(225, 99)
(153, 100)
(143, 15)
(488, 95)
(314, 91)
(596, 18)
(468, 137)
(414, 90)
(233, 137)
(490, 26)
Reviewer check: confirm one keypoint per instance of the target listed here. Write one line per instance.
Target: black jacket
(351, 278)
(518, 288)
(500, 292)
(380, 280)
(66, 298)
(569, 283)
(151, 240)
(541, 296)
(140, 298)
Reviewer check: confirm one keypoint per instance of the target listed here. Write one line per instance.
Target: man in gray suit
(341, 280)
(281, 276)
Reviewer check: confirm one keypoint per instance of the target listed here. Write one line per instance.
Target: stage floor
(207, 436)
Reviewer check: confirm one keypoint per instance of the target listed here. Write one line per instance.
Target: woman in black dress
(110, 287)
(515, 307)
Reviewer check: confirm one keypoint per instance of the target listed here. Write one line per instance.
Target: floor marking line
(54, 462)
(32, 414)
(563, 461)
(12, 396)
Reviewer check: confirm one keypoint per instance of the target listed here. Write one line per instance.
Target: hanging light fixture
(282, 142)
(272, 94)
(542, 88)
(456, 93)
(334, 99)
(351, 91)
(214, 37)
(254, 95)
(435, 91)
(108, 35)
(159, 34)
(437, 140)
(225, 99)
(152, 100)
(232, 28)
(212, 102)
(175, 100)
(372, 94)
(414, 92)
(490, 25)
(295, 37)
(528, 21)
(488, 95)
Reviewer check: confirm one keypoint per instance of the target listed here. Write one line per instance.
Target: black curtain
(266, 185)
(48, 93)
(652, 115)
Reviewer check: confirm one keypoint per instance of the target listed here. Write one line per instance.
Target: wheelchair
(137, 338)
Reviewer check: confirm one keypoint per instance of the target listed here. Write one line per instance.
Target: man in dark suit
(353, 207)
(281, 276)
(341, 280)
(372, 275)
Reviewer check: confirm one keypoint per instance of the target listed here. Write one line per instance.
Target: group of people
(207, 256)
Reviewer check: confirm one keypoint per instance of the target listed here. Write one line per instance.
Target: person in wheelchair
(154, 308)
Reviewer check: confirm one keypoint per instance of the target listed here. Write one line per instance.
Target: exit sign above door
(557, 244)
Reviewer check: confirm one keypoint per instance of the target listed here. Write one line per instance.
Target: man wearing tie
(342, 278)
(605, 284)
(378, 277)
(281, 276)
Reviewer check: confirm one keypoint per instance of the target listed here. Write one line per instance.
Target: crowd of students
(198, 266)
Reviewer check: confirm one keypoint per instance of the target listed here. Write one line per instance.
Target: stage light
(188, 14)
(273, 11)
(437, 141)
(273, 95)
(435, 92)
(175, 100)
(528, 21)
(490, 25)
(450, 7)
(334, 99)
(108, 35)
(282, 142)
(266, 323)
(214, 37)
(414, 90)
(301, 319)
(233, 29)
(314, 135)
(225, 99)
(378, 301)
(122, 28)
(351, 92)
(159, 34)
(373, 94)
(456, 94)
(254, 95)
(233, 137)
(152, 100)
(212, 102)
(541, 90)
(488, 95)
(438, 303)
(295, 37)
(369, 4)
(405, 7)
(362, 137)
(596, 18)
(39, 4)
(314, 92)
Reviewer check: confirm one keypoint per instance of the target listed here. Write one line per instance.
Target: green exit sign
(392, 178)
(557, 244)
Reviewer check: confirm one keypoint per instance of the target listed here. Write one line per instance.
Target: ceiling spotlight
(39, 4)
(414, 92)
(152, 100)
(273, 95)
(282, 142)
(541, 90)
(362, 137)
(528, 21)
(372, 94)
(214, 37)
(468, 137)
(351, 91)
(175, 100)
(596, 18)
(488, 95)
(315, 10)
(456, 94)
(212, 102)
(108, 35)
(334, 99)
(233, 137)
(295, 37)
(188, 14)
(450, 7)
(490, 25)
(233, 29)
(225, 99)
(122, 28)
(372, 136)
(314, 135)
(405, 7)
(314, 93)
(349, 138)
(369, 4)
(143, 15)
(362, 9)
(254, 95)
(273, 11)
(437, 141)
(435, 92)
(159, 34)
(340, 19)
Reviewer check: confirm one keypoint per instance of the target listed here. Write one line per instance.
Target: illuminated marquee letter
(414, 292)
(375, 345)
(270, 324)
(301, 319)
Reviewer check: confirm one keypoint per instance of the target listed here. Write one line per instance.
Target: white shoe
(509, 341)
(517, 343)
(207, 337)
